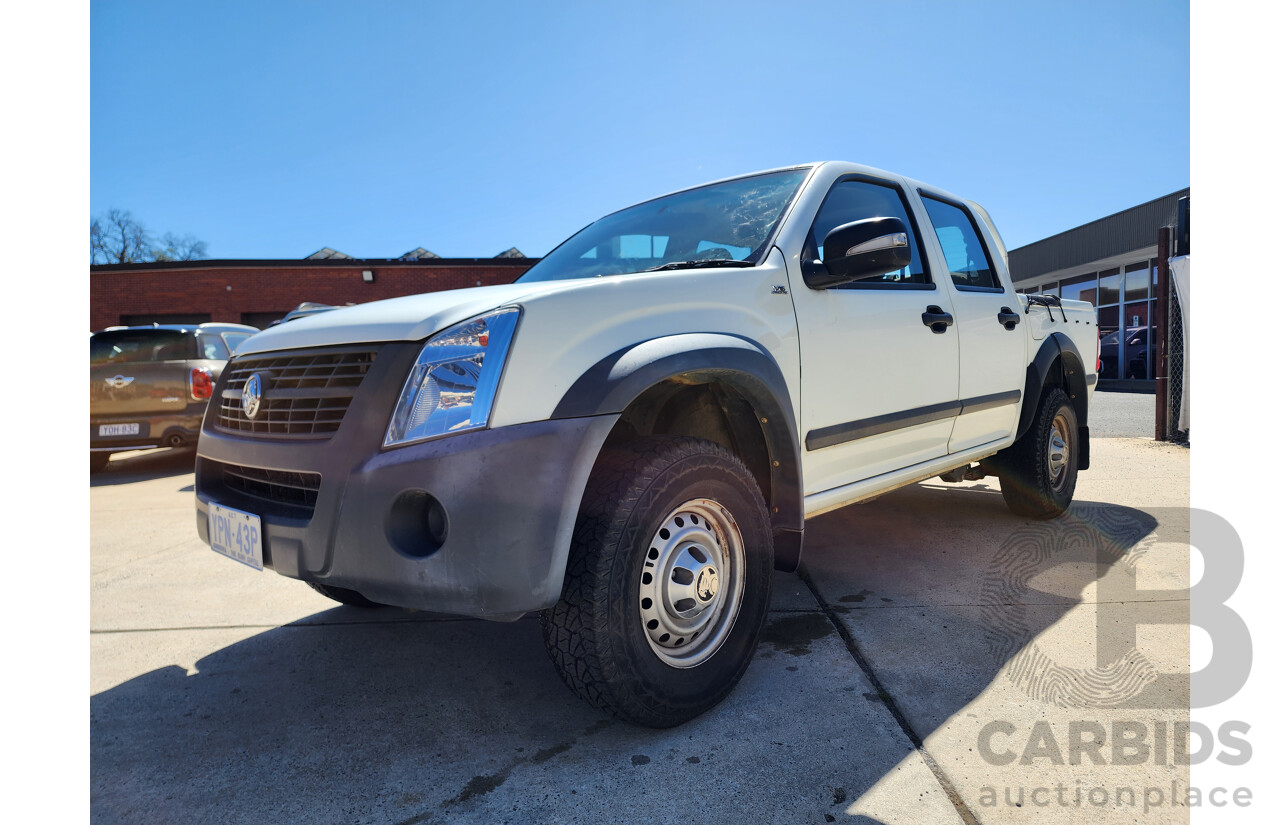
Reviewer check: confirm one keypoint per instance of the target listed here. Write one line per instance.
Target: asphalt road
(1122, 415)
(220, 694)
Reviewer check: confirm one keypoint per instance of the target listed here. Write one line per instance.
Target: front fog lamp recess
(453, 383)
(418, 524)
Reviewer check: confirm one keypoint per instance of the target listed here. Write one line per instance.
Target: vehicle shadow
(942, 589)
(340, 717)
(127, 468)
(343, 717)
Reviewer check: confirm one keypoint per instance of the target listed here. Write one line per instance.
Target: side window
(234, 339)
(962, 245)
(212, 348)
(856, 200)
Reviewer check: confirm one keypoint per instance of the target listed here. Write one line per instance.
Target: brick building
(258, 292)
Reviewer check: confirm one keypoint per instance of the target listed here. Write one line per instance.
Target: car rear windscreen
(128, 346)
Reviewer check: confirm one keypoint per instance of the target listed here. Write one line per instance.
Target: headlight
(452, 385)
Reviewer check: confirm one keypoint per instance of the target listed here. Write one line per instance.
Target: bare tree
(97, 242)
(186, 248)
(118, 238)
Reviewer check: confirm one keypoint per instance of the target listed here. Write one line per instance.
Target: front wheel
(1038, 473)
(668, 581)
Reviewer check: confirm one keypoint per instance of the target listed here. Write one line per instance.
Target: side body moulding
(864, 428)
(614, 382)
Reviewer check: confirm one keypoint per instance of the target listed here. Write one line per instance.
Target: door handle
(1008, 318)
(937, 320)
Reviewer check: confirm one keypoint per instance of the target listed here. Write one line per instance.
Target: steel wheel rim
(1058, 455)
(691, 583)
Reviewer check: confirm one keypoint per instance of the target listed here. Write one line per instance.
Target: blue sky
(271, 129)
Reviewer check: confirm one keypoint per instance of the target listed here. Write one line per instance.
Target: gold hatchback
(149, 386)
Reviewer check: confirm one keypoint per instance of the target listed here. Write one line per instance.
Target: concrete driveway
(930, 638)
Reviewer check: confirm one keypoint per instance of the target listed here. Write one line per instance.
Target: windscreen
(129, 346)
(730, 221)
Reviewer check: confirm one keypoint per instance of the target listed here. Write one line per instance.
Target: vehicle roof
(212, 326)
(796, 167)
(842, 166)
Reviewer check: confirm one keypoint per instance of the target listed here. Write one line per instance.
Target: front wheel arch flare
(611, 384)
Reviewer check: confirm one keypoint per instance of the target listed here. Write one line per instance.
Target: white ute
(630, 437)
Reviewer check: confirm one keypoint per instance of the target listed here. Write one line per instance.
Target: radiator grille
(305, 396)
(276, 487)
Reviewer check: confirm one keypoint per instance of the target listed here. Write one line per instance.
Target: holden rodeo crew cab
(630, 437)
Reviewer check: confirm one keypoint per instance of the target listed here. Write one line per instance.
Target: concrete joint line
(290, 626)
(889, 702)
(844, 607)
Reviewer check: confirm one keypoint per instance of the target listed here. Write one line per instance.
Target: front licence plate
(117, 429)
(236, 535)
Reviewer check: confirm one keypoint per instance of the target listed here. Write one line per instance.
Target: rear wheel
(1038, 473)
(668, 581)
(342, 594)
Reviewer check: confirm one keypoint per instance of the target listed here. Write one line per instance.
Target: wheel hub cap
(708, 584)
(1059, 452)
(691, 583)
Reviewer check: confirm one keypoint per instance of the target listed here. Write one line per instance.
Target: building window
(1137, 282)
(1125, 300)
(1135, 349)
(1108, 287)
(1081, 288)
(1109, 326)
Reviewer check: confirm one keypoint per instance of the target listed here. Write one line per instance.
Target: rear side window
(235, 339)
(856, 200)
(962, 245)
(213, 348)
(131, 346)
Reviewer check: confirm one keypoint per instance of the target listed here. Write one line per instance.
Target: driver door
(879, 387)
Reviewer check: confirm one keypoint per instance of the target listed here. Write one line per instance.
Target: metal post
(1162, 328)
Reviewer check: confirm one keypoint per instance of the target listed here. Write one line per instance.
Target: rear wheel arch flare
(1057, 363)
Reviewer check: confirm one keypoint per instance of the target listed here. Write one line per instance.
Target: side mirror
(859, 250)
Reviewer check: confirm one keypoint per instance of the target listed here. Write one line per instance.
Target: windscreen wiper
(714, 262)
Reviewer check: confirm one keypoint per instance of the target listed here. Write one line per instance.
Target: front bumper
(510, 497)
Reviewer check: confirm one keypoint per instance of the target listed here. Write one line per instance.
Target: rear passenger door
(993, 356)
(878, 386)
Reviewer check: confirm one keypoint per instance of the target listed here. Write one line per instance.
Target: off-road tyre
(1038, 473)
(343, 595)
(599, 637)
